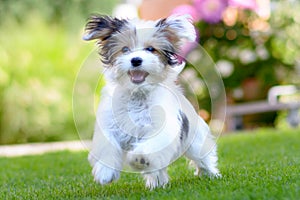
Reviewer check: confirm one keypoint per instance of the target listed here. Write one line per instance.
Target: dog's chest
(132, 118)
(138, 110)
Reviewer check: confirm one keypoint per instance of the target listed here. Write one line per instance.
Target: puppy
(143, 121)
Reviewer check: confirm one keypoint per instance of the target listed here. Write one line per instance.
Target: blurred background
(254, 43)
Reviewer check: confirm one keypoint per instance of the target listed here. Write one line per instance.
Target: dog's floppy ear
(102, 27)
(178, 29)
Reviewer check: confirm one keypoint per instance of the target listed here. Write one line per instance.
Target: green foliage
(66, 13)
(261, 165)
(256, 48)
(41, 51)
(38, 70)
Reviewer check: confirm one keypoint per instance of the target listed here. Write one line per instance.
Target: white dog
(143, 121)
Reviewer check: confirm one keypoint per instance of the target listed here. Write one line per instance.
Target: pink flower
(210, 10)
(186, 9)
(244, 4)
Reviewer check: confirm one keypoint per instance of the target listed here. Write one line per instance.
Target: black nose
(136, 61)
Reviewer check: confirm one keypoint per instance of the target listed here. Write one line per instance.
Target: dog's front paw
(139, 161)
(103, 174)
(156, 179)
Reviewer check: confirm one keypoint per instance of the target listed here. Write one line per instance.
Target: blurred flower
(225, 68)
(244, 4)
(262, 52)
(230, 16)
(247, 56)
(187, 9)
(210, 10)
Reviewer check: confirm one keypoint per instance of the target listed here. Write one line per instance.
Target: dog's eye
(125, 49)
(150, 49)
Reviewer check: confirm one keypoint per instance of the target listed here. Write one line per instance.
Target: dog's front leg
(105, 158)
(104, 174)
(155, 152)
(153, 155)
(157, 178)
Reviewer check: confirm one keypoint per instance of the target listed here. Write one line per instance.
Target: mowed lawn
(264, 164)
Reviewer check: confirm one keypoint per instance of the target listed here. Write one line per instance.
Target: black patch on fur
(184, 130)
(101, 23)
(172, 58)
(161, 22)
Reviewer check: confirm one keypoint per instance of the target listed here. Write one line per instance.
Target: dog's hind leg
(204, 156)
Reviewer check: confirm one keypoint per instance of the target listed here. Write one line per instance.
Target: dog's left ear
(102, 27)
(178, 29)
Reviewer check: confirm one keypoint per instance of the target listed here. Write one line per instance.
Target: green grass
(264, 164)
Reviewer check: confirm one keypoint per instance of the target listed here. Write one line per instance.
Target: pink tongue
(138, 76)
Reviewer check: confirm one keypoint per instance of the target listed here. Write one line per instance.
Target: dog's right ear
(102, 27)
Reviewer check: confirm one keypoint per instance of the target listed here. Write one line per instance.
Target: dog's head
(136, 51)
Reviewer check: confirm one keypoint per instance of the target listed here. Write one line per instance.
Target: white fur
(184, 27)
(140, 125)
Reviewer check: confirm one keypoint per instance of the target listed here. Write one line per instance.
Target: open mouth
(137, 76)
